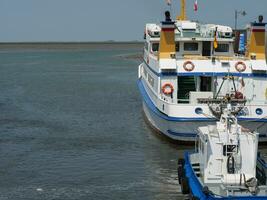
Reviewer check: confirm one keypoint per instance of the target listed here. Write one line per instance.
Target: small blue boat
(225, 165)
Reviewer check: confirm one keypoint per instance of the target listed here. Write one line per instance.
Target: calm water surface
(71, 127)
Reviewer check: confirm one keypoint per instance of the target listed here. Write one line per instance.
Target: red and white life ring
(189, 66)
(240, 66)
(167, 88)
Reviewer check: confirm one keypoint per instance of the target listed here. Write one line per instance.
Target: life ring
(167, 88)
(240, 66)
(189, 66)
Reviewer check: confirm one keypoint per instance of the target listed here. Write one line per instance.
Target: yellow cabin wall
(167, 44)
(257, 45)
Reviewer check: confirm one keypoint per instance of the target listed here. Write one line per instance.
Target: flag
(215, 42)
(195, 6)
(169, 2)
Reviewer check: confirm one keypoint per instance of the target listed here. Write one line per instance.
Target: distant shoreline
(70, 45)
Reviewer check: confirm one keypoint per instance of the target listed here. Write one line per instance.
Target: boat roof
(188, 30)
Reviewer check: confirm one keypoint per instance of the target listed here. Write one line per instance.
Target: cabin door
(206, 51)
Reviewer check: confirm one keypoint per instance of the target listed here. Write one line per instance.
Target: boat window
(155, 47)
(145, 72)
(191, 46)
(177, 46)
(146, 46)
(229, 149)
(186, 84)
(223, 48)
(206, 48)
(205, 84)
(150, 80)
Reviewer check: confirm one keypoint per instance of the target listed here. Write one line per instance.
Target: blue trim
(197, 189)
(221, 74)
(161, 74)
(252, 119)
(168, 74)
(168, 22)
(194, 135)
(190, 135)
(155, 110)
(258, 24)
(194, 184)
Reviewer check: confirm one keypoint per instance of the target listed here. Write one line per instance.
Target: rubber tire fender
(180, 169)
(185, 186)
(192, 197)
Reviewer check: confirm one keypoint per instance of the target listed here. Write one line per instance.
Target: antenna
(183, 11)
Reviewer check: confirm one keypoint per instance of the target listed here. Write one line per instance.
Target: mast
(183, 11)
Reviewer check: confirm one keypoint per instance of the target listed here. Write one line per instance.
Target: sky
(102, 20)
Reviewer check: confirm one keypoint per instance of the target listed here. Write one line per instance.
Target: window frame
(188, 50)
(152, 44)
(177, 44)
(228, 48)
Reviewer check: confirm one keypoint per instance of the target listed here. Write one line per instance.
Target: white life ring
(240, 66)
(189, 66)
(167, 88)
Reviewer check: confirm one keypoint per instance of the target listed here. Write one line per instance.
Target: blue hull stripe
(162, 74)
(190, 135)
(194, 134)
(155, 110)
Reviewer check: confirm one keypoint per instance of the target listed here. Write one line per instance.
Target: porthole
(259, 111)
(198, 111)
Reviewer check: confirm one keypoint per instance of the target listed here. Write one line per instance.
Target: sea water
(72, 127)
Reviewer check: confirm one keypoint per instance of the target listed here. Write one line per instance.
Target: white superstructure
(225, 162)
(190, 67)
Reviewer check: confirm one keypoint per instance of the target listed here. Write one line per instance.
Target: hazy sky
(97, 20)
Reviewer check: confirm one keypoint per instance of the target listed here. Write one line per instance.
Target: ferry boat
(226, 164)
(189, 68)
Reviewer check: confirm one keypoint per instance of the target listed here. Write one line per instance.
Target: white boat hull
(182, 123)
(186, 131)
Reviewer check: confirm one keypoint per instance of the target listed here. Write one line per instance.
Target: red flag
(195, 6)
